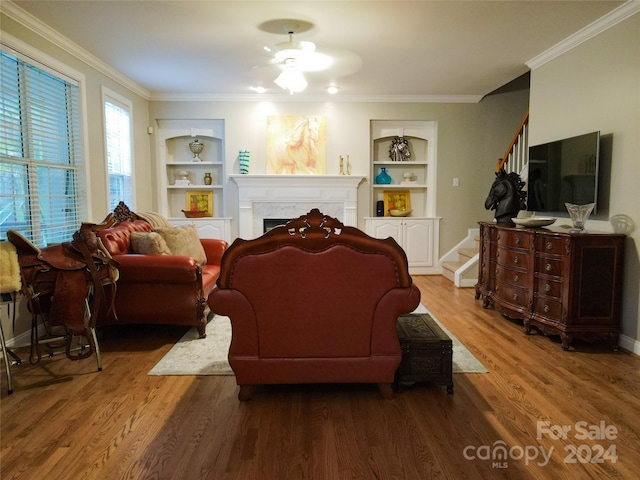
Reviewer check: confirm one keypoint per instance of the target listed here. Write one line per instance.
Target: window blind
(118, 144)
(41, 161)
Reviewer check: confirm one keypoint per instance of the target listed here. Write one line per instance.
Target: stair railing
(517, 155)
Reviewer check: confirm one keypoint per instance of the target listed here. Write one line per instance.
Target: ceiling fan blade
(304, 57)
(343, 62)
(313, 62)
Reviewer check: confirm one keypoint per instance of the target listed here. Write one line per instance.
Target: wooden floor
(67, 421)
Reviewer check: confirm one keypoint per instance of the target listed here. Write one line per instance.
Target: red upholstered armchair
(159, 288)
(314, 301)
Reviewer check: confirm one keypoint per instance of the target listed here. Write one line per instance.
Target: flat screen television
(563, 171)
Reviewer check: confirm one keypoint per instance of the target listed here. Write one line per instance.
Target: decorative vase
(207, 178)
(579, 215)
(243, 158)
(383, 178)
(196, 148)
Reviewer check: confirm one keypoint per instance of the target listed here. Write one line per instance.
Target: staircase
(516, 158)
(460, 264)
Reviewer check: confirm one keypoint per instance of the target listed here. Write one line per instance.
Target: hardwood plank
(66, 420)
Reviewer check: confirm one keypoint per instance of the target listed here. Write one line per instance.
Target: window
(117, 127)
(41, 154)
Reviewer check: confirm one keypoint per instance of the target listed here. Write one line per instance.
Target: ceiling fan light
(291, 79)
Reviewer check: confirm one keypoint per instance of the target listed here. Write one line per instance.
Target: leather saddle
(60, 279)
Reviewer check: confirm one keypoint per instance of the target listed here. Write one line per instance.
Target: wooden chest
(427, 352)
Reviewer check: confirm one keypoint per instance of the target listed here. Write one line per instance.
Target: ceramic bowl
(400, 213)
(533, 222)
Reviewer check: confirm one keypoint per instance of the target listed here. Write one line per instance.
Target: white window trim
(16, 46)
(108, 94)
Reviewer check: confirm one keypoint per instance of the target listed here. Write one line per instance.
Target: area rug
(208, 356)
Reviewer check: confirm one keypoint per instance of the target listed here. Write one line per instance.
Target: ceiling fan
(295, 58)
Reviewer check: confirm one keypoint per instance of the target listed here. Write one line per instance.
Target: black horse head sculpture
(506, 197)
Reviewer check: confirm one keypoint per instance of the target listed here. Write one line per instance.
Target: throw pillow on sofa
(184, 241)
(149, 243)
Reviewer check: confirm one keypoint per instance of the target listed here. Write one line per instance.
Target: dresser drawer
(547, 307)
(512, 258)
(552, 245)
(513, 295)
(514, 239)
(509, 276)
(548, 287)
(549, 266)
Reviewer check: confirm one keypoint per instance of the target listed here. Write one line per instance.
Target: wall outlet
(456, 182)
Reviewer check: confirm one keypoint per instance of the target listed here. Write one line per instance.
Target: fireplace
(269, 223)
(278, 197)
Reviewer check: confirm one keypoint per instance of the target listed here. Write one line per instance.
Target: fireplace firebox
(269, 223)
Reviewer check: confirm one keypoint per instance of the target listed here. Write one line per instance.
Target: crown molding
(14, 12)
(32, 23)
(612, 18)
(29, 21)
(302, 98)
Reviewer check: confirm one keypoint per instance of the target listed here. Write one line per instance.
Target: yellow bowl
(400, 213)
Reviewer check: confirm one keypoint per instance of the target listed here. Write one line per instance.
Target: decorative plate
(534, 221)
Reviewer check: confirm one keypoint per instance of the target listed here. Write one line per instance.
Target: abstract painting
(296, 145)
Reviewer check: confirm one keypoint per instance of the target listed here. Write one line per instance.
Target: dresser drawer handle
(547, 287)
(516, 260)
(515, 296)
(517, 240)
(548, 267)
(498, 237)
(546, 308)
(549, 245)
(516, 278)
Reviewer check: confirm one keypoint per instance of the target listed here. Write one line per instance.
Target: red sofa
(314, 301)
(159, 289)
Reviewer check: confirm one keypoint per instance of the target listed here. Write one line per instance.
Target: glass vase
(579, 215)
(383, 178)
(243, 158)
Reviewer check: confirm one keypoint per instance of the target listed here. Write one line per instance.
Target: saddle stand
(65, 286)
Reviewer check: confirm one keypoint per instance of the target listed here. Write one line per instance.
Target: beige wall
(596, 86)
(468, 145)
(95, 154)
(470, 139)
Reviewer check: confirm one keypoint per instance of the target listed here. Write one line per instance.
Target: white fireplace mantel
(289, 196)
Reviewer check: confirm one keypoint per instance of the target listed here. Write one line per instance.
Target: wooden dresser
(566, 284)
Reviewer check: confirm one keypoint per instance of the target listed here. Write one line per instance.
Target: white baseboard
(24, 339)
(629, 344)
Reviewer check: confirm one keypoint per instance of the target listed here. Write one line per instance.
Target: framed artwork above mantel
(296, 145)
